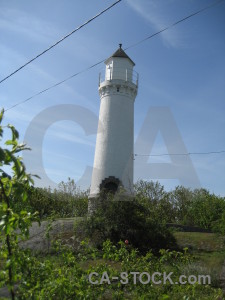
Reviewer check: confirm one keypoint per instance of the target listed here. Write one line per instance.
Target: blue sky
(182, 70)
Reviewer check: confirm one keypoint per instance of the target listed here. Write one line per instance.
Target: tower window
(118, 89)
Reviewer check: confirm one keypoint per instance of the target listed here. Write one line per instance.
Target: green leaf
(2, 223)
(2, 155)
(3, 208)
(15, 133)
(35, 175)
(164, 296)
(24, 196)
(7, 156)
(8, 263)
(23, 212)
(4, 179)
(18, 167)
(1, 115)
(18, 149)
(10, 142)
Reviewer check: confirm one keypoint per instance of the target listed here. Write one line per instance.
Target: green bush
(14, 225)
(66, 276)
(63, 276)
(128, 220)
(60, 203)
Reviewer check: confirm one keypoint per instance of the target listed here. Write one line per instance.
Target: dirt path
(38, 239)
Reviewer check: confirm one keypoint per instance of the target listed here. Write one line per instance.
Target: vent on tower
(110, 184)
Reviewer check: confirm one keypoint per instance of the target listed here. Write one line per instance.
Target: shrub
(14, 186)
(127, 220)
(60, 203)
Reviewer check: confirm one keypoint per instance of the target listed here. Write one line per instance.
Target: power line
(54, 85)
(182, 154)
(62, 39)
(98, 63)
(174, 24)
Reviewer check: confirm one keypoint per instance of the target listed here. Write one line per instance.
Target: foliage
(206, 209)
(208, 249)
(155, 200)
(181, 199)
(140, 222)
(65, 202)
(13, 225)
(127, 220)
(153, 191)
(183, 206)
(219, 224)
(64, 276)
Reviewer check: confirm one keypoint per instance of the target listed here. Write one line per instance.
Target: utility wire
(174, 24)
(185, 154)
(98, 63)
(62, 39)
(54, 85)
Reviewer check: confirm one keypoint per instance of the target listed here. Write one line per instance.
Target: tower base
(95, 200)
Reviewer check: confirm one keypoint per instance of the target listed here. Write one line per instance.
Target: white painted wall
(115, 138)
(119, 68)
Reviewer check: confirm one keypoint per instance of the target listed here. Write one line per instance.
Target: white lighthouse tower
(113, 162)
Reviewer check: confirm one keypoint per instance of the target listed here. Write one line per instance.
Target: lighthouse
(113, 161)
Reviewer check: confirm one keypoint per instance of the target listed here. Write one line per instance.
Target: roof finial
(120, 46)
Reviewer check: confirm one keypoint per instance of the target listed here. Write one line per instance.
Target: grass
(207, 248)
(200, 241)
(85, 265)
(209, 252)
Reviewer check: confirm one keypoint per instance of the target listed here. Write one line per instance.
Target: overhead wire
(174, 24)
(133, 45)
(59, 41)
(182, 154)
(54, 85)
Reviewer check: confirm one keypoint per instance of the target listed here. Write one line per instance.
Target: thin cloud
(22, 23)
(38, 75)
(150, 12)
(72, 138)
